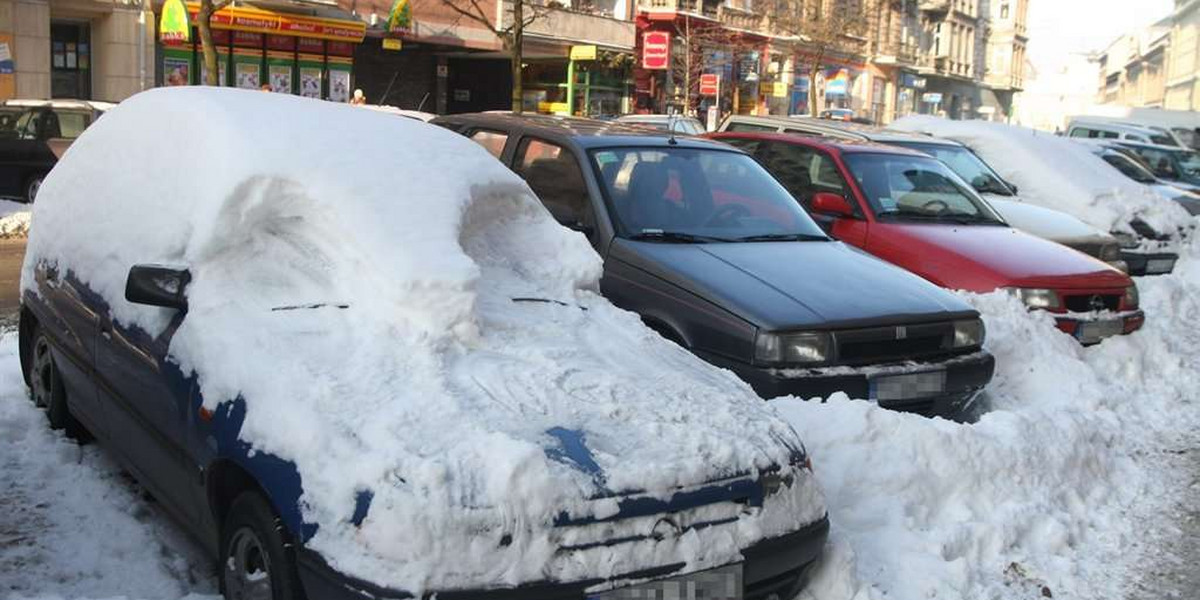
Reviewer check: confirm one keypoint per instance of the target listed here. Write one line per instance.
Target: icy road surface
(1083, 481)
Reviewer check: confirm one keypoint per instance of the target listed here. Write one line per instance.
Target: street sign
(710, 83)
(583, 53)
(392, 44)
(173, 26)
(931, 98)
(656, 50)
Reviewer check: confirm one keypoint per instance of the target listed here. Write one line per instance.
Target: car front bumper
(1093, 330)
(965, 376)
(1159, 263)
(774, 567)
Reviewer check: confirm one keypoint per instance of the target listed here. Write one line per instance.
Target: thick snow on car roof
(1056, 173)
(444, 348)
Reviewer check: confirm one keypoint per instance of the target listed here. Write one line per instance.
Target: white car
(1063, 175)
(357, 357)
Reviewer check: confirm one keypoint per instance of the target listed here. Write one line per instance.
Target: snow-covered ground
(1070, 483)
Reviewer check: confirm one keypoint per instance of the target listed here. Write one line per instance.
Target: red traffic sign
(656, 50)
(709, 84)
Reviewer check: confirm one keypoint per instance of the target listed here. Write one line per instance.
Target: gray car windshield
(917, 188)
(964, 162)
(697, 195)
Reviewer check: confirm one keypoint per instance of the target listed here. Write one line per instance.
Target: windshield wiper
(678, 237)
(783, 237)
(961, 219)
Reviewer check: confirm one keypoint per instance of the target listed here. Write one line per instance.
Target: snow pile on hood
(14, 219)
(1056, 173)
(1059, 487)
(403, 318)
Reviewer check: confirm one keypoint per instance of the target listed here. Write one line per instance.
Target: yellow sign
(583, 53)
(392, 44)
(173, 26)
(553, 108)
(779, 90)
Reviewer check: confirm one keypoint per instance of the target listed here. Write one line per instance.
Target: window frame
(587, 217)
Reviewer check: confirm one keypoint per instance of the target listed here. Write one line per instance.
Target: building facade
(1004, 62)
(1132, 69)
(1182, 85)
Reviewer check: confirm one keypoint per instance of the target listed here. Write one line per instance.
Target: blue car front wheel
(256, 563)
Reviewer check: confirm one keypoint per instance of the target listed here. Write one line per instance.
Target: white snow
(14, 219)
(433, 389)
(1056, 173)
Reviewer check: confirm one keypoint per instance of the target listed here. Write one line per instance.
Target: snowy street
(1083, 481)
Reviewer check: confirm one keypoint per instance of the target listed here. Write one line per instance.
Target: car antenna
(671, 130)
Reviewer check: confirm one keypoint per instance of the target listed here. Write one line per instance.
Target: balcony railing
(570, 25)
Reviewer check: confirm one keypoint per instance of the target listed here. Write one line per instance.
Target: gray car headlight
(968, 334)
(1037, 298)
(810, 347)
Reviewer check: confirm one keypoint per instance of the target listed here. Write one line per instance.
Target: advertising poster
(177, 67)
(281, 77)
(6, 57)
(248, 76)
(339, 84)
(310, 80)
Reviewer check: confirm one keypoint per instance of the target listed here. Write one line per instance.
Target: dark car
(1175, 165)
(1131, 164)
(341, 442)
(714, 254)
(33, 135)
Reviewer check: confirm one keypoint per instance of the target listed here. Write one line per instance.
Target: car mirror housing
(831, 204)
(158, 285)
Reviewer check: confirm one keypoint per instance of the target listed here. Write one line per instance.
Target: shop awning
(327, 23)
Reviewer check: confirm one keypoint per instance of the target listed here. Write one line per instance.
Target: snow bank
(70, 524)
(14, 219)
(411, 369)
(1056, 173)
(1056, 488)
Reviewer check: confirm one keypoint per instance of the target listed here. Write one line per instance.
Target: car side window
(554, 175)
(70, 124)
(801, 132)
(492, 141)
(750, 127)
(804, 171)
(1081, 132)
(748, 146)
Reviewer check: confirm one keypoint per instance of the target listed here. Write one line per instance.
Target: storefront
(307, 55)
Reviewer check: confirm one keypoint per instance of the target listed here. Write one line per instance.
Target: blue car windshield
(698, 195)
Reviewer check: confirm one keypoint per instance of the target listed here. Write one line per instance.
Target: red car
(910, 209)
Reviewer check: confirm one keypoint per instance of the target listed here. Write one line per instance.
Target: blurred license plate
(1094, 331)
(724, 583)
(908, 386)
(1160, 265)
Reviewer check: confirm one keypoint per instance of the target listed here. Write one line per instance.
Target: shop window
(492, 141)
(554, 175)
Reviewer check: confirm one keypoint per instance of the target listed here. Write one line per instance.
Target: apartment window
(1004, 9)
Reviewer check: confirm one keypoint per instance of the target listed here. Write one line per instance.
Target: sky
(1058, 27)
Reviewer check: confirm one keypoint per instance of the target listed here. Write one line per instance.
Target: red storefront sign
(656, 50)
(709, 84)
(249, 19)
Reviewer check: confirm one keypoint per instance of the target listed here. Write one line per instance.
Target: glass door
(70, 60)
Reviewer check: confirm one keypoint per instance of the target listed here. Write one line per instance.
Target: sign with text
(710, 84)
(656, 50)
(931, 98)
(173, 25)
(392, 44)
(583, 53)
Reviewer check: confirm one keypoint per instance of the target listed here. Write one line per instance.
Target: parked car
(708, 248)
(1002, 196)
(1085, 128)
(910, 209)
(837, 114)
(1175, 165)
(348, 390)
(1183, 124)
(676, 123)
(1130, 164)
(33, 135)
(1060, 174)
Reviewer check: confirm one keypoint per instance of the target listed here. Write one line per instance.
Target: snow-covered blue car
(356, 358)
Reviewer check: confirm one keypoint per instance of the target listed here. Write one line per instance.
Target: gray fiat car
(715, 255)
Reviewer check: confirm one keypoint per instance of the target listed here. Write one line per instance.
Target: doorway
(70, 60)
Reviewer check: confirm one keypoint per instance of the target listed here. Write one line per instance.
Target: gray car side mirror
(157, 285)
